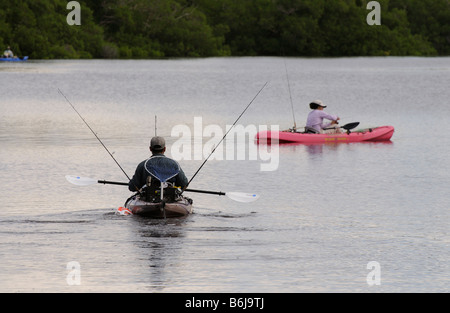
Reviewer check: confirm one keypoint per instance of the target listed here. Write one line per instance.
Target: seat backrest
(162, 168)
(310, 130)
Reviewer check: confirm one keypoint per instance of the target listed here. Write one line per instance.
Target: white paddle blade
(80, 181)
(242, 197)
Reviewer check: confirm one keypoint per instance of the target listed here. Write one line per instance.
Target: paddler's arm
(136, 181)
(332, 118)
(181, 179)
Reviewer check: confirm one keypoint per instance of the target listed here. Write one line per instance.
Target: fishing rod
(290, 95)
(206, 160)
(94, 134)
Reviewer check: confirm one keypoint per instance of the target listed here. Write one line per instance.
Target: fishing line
(94, 134)
(224, 137)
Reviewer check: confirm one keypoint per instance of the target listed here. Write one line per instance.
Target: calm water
(324, 213)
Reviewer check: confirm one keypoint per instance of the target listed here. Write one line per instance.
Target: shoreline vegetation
(152, 29)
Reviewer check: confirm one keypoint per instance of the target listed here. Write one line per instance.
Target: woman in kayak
(315, 124)
(159, 165)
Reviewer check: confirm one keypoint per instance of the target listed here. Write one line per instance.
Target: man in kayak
(157, 165)
(8, 53)
(315, 124)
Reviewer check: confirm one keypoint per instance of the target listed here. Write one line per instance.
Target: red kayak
(382, 133)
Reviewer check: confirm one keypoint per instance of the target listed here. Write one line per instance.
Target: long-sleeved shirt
(316, 117)
(140, 176)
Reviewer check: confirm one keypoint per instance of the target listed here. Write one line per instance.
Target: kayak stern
(179, 208)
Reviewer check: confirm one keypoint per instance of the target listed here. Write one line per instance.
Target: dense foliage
(199, 28)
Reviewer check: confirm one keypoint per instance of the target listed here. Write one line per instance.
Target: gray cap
(157, 143)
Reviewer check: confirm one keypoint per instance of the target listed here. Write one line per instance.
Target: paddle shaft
(346, 126)
(105, 182)
(220, 193)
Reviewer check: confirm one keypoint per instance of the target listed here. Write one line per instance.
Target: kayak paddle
(236, 196)
(348, 126)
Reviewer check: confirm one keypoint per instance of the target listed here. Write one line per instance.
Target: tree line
(204, 28)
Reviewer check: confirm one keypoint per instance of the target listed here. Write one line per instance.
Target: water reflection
(159, 228)
(313, 149)
(327, 209)
(159, 241)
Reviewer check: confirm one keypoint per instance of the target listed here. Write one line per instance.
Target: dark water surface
(324, 213)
